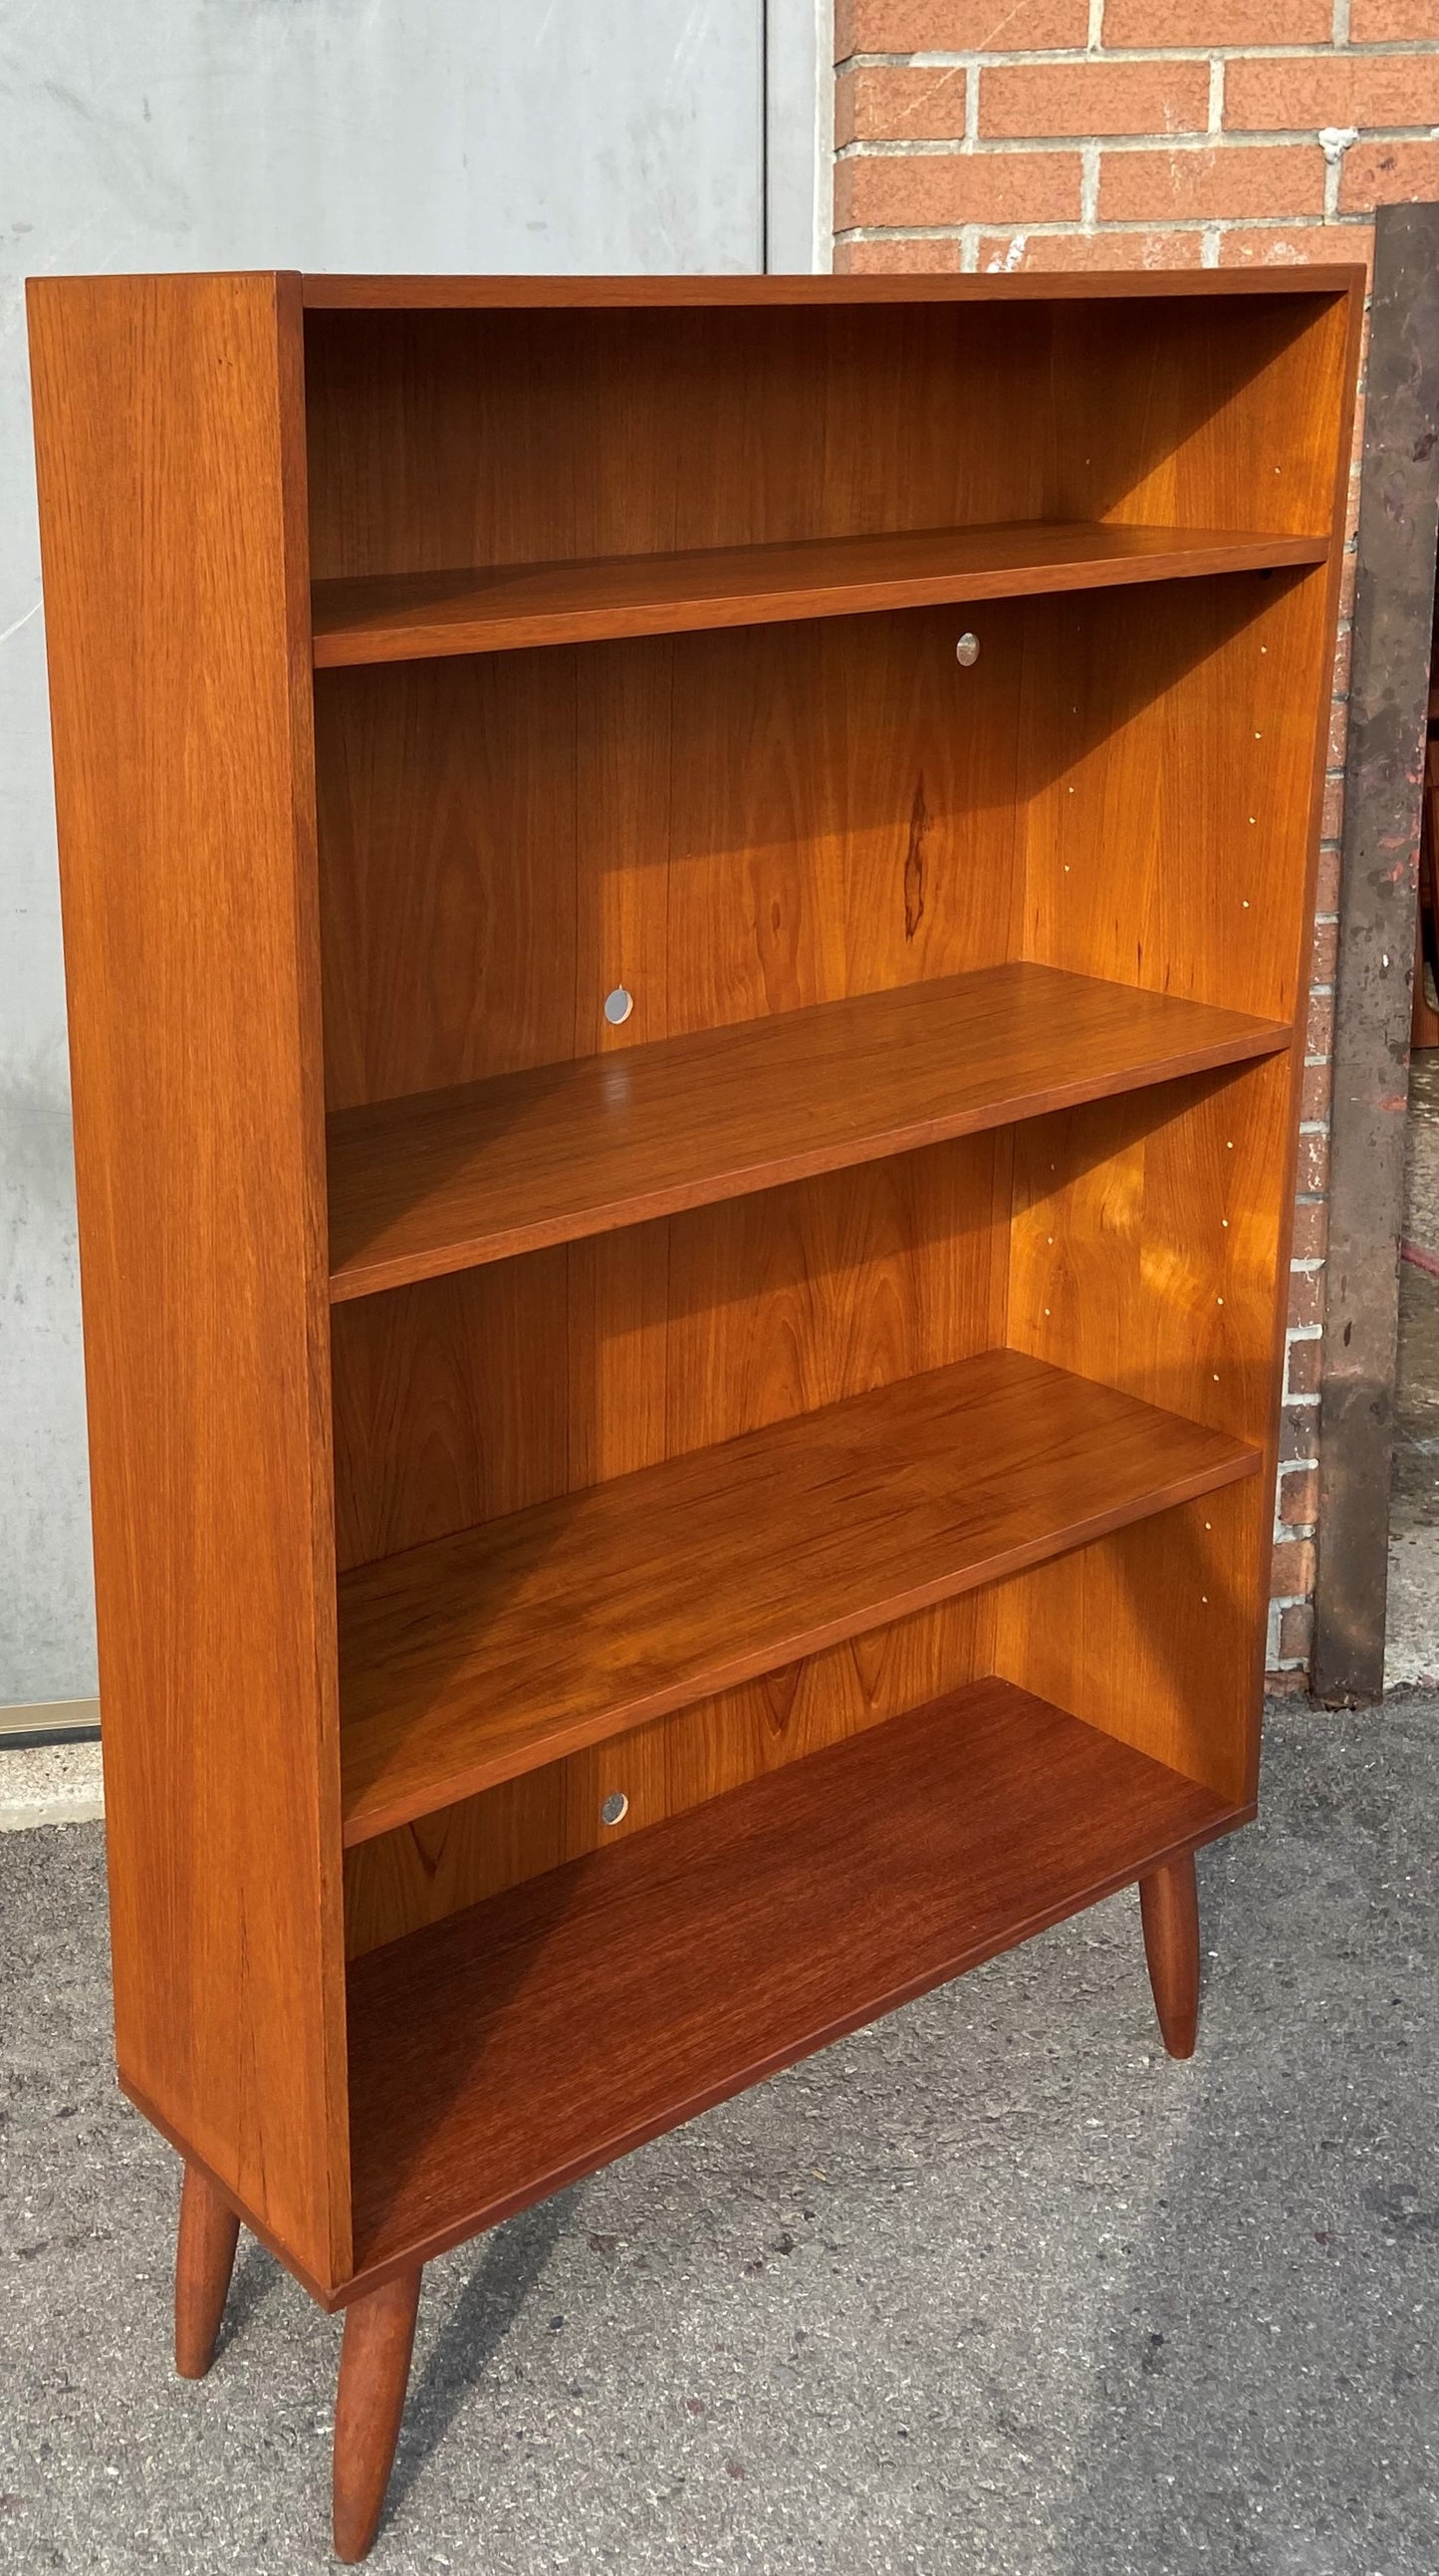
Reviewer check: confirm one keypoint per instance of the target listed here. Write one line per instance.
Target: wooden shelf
(517, 2046)
(484, 1655)
(389, 292)
(447, 1180)
(407, 617)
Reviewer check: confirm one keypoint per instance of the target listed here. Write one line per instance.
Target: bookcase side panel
(1156, 1635)
(1148, 1248)
(1174, 777)
(169, 420)
(1170, 834)
(1220, 412)
(1168, 771)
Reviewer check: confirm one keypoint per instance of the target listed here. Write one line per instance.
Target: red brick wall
(978, 134)
(1007, 134)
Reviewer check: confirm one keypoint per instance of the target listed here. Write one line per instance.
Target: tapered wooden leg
(1169, 1909)
(204, 2260)
(374, 2367)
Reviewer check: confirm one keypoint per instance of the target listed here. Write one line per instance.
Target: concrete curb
(50, 1784)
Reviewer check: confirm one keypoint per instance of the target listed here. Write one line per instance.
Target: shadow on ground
(992, 2290)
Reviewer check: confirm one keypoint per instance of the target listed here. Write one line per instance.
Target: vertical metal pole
(764, 137)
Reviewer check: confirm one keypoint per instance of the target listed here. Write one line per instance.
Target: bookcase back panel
(1152, 1635)
(423, 1871)
(1149, 1248)
(471, 1396)
(738, 823)
(443, 440)
(1172, 775)
(725, 824)
(1146, 1240)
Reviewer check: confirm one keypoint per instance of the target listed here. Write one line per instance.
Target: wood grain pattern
(374, 2373)
(607, 2001)
(1226, 420)
(171, 469)
(1169, 1906)
(420, 1872)
(1158, 1254)
(842, 810)
(403, 617)
(730, 825)
(1140, 1244)
(468, 1397)
(1123, 732)
(489, 1653)
(473, 1395)
(444, 1181)
(1148, 1250)
(452, 1404)
(204, 2260)
(445, 439)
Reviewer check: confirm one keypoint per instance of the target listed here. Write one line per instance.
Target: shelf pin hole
(618, 1006)
(966, 651)
(615, 1808)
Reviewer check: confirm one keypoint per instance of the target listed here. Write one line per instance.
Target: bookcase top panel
(335, 293)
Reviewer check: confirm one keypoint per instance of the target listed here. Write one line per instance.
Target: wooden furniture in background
(687, 905)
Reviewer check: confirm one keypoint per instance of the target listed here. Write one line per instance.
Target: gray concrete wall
(349, 134)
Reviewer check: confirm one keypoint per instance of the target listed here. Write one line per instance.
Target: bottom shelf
(514, 2047)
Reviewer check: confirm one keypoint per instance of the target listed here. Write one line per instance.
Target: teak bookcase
(687, 910)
